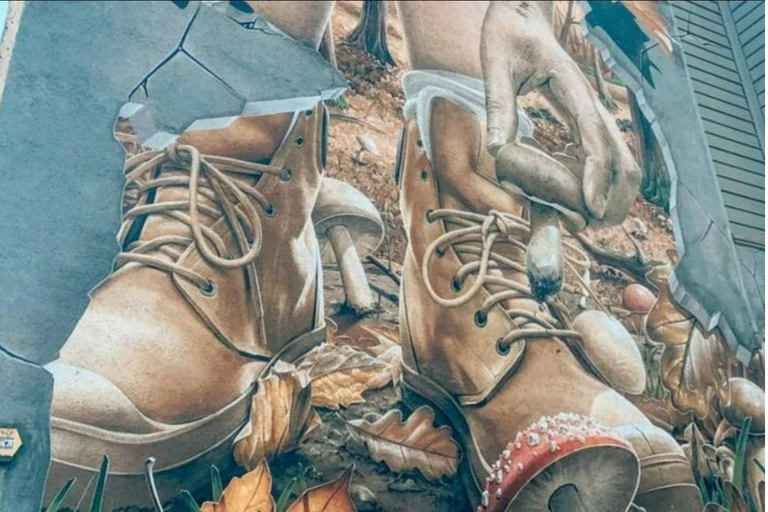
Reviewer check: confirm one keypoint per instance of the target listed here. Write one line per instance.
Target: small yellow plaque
(10, 442)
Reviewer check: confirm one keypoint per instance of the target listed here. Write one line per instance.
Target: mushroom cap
(611, 350)
(367, 144)
(341, 204)
(567, 449)
(747, 400)
(637, 298)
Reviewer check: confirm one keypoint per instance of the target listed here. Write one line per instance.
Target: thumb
(500, 95)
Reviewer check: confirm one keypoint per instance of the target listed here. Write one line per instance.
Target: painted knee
(666, 480)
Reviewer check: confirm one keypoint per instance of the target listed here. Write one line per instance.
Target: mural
(382, 256)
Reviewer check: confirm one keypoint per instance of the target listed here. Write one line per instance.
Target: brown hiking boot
(219, 275)
(475, 343)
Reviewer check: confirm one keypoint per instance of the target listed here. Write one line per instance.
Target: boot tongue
(253, 139)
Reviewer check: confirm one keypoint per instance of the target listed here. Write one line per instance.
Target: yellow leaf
(648, 16)
(330, 497)
(281, 416)
(341, 374)
(251, 493)
(414, 444)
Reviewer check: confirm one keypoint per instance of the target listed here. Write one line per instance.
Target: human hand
(519, 53)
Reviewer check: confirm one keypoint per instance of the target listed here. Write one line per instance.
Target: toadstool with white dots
(565, 463)
(348, 228)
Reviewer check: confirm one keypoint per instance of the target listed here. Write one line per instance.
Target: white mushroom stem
(356, 287)
(566, 499)
(359, 158)
(544, 258)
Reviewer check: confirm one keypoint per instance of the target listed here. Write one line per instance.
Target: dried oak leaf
(251, 493)
(414, 444)
(649, 17)
(281, 416)
(340, 375)
(329, 497)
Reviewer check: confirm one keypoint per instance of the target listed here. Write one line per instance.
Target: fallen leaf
(694, 366)
(251, 493)
(329, 497)
(413, 444)
(340, 375)
(281, 416)
(647, 14)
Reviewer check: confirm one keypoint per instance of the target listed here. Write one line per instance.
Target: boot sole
(184, 453)
(417, 391)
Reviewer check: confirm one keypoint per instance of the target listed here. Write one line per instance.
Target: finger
(573, 92)
(500, 94)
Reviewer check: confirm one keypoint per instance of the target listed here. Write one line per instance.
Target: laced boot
(218, 276)
(475, 343)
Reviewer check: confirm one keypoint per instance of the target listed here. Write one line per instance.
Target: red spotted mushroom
(565, 463)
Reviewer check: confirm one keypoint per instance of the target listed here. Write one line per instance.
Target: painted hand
(520, 53)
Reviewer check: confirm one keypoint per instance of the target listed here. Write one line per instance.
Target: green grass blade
(282, 501)
(216, 487)
(740, 460)
(101, 483)
(757, 462)
(60, 496)
(189, 502)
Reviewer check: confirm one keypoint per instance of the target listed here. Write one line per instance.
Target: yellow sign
(10, 442)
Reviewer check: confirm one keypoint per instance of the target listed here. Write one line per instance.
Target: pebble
(637, 298)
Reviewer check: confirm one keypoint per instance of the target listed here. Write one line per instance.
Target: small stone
(499, 477)
(363, 498)
(637, 298)
(498, 493)
(533, 439)
(638, 228)
(506, 453)
(485, 498)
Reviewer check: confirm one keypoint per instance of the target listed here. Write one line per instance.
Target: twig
(384, 268)
(392, 297)
(635, 266)
(353, 119)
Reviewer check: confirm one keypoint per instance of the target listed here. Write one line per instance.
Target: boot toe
(87, 398)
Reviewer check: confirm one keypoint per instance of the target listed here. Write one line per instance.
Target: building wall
(725, 53)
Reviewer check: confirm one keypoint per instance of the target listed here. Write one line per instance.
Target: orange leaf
(251, 493)
(330, 497)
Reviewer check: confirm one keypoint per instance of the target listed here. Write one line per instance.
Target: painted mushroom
(366, 146)
(747, 400)
(349, 228)
(565, 463)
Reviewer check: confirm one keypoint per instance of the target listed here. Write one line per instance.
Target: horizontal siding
(712, 44)
(739, 189)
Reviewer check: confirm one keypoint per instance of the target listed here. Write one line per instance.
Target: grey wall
(725, 53)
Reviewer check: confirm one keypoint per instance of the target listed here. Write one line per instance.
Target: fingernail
(599, 204)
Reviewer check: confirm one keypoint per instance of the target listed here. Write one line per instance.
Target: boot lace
(204, 175)
(475, 239)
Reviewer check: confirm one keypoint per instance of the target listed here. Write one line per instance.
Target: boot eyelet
(456, 284)
(269, 210)
(501, 349)
(428, 215)
(208, 289)
(299, 141)
(481, 319)
(423, 175)
(308, 113)
(286, 174)
(420, 143)
(439, 251)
